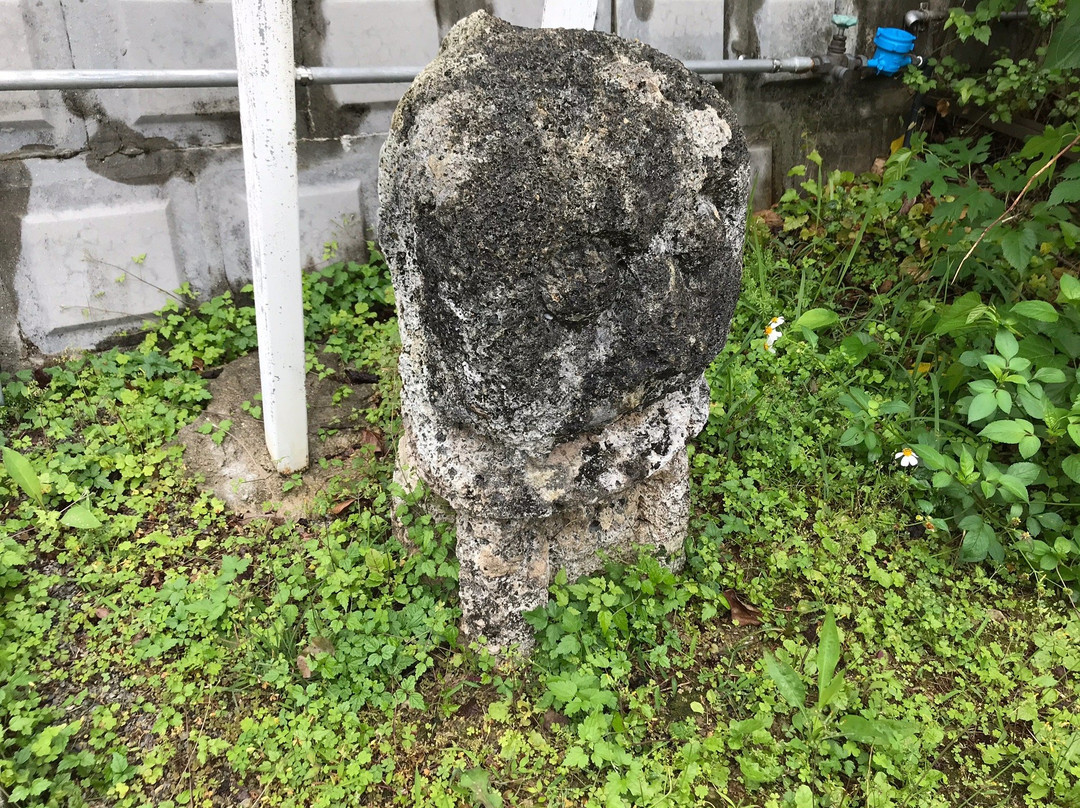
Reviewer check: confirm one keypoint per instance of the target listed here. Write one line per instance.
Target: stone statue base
(507, 565)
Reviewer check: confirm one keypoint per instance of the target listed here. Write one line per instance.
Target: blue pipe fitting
(894, 47)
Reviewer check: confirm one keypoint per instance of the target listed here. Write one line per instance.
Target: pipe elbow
(915, 17)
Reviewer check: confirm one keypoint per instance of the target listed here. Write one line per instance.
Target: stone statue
(563, 214)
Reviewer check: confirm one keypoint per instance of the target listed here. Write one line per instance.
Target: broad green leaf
(575, 756)
(1036, 310)
(755, 773)
(817, 318)
(478, 784)
(1027, 473)
(1071, 466)
(80, 517)
(982, 406)
(1003, 399)
(1033, 405)
(828, 654)
(1050, 375)
(1063, 51)
(932, 458)
(563, 689)
(967, 461)
(1018, 246)
(852, 436)
(855, 349)
(804, 797)
(1070, 234)
(1029, 446)
(876, 731)
(499, 710)
(1013, 486)
(831, 691)
(978, 536)
(1006, 344)
(787, 680)
(1065, 193)
(1008, 431)
(1069, 288)
(567, 646)
(23, 474)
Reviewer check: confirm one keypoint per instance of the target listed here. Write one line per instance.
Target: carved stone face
(563, 215)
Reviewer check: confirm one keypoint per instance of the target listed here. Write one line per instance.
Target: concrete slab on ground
(233, 462)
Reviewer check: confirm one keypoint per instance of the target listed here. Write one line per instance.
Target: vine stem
(1015, 202)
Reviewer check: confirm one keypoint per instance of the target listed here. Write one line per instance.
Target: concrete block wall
(111, 199)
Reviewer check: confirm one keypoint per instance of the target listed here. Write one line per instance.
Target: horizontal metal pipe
(109, 79)
(919, 16)
(792, 64)
(127, 79)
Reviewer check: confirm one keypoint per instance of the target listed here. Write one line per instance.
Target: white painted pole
(569, 14)
(267, 71)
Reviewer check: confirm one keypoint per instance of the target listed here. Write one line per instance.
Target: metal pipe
(127, 79)
(920, 16)
(791, 64)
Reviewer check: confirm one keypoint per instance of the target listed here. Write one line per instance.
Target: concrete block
(99, 257)
(690, 30)
(378, 33)
(109, 265)
(761, 175)
(331, 210)
(32, 37)
(526, 13)
(160, 34)
(796, 28)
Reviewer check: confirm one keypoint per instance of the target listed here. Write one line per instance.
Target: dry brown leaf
(342, 506)
(943, 107)
(742, 614)
(913, 269)
(101, 612)
(319, 645)
(369, 437)
(552, 717)
(878, 168)
(770, 218)
(303, 666)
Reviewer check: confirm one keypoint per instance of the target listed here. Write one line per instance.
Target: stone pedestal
(563, 215)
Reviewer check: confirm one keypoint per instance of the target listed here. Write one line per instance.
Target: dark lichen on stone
(571, 208)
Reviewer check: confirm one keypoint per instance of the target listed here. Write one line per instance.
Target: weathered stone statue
(563, 215)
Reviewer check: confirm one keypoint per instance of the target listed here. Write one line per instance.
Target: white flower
(907, 457)
(772, 333)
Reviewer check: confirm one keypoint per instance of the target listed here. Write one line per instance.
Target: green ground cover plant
(854, 625)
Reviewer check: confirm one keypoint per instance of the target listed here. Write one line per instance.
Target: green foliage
(819, 721)
(1044, 86)
(819, 647)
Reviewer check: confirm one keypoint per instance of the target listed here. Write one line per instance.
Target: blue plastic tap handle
(894, 50)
